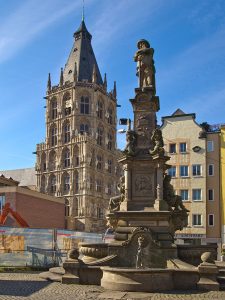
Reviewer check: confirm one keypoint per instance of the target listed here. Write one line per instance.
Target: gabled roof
(83, 55)
(178, 112)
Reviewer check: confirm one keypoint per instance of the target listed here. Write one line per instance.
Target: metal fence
(39, 247)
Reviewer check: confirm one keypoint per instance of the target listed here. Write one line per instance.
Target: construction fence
(39, 247)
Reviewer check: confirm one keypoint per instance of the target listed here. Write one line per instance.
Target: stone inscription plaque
(143, 223)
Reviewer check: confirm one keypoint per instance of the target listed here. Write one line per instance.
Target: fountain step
(51, 276)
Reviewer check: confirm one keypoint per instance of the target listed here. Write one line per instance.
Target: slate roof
(83, 54)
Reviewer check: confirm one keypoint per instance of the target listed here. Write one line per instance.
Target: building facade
(78, 159)
(36, 209)
(195, 160)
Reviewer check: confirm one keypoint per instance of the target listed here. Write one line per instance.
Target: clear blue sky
(36, 37)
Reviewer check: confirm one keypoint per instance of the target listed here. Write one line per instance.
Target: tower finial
(61, 81)
(49, 84)
(83, 12)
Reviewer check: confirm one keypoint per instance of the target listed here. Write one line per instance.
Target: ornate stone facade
(78, 159)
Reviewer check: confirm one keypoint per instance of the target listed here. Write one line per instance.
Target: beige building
(78, 159)
(194, 162)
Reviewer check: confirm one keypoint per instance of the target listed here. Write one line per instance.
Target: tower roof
(83, 55)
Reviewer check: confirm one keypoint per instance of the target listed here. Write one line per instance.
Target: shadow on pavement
(21, 287)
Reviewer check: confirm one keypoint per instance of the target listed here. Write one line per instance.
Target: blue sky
(36, 37)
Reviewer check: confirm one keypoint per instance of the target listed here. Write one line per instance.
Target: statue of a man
(157, 141)
(131, 142)
(145, 64)
(114, 202)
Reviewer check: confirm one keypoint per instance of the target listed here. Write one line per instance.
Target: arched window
(67, 104)
(43, 182)
(52, 161)
(66, 183)
(84, 128)
(54, 109)
(110, 165)
(76, 156)
(43, 162)
(100, 109)
(67, 208)
(99, 162)
(99, 135)
(66, 131)
(54, 136)
(110, 141)
(84, 105)
(67, 158)
(99, 185)
(76, 182)
(109, 188)
(53, 184)
(110, 116)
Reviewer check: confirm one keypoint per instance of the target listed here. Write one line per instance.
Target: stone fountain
(146, 214)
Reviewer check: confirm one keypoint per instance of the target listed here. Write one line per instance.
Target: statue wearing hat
(145, 64)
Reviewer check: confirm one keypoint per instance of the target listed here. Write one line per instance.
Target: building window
(67, 133)
(109, 146)
(109, 189)
(197, 220)
(76, 183)
(110, 116)
(100, 109)
(67, 159)
(84, 105)
(196, 194)
(54, 136)
(109, 165)
(211, 220)
(196, 170)
(172, 148)
(52, 161)
(183, 171)
(211, 169)
(43, 181)
(210, 195)
(184, 195)
(53, 184)
(67, 208)
(99, 135)
(210, 146)
(66, 183)
(100, 214)
(98, 185)
(84, 128)
(2, 202)
(54, 109)
(172, 171)
(67, 111)
(183, 147)
(99, 162)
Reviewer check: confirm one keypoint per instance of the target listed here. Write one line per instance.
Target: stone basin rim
(145, 270)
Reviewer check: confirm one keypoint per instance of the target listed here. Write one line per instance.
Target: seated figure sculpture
(173, 200)
(114, 202)
(158, 143)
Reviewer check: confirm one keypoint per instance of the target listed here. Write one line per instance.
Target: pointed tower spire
(49, 84)
(94, 74)
(114, 90)
(83, 12)
(75, 72)
(61, 78)
(105, 82)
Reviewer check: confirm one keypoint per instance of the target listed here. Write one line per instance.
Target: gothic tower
(78, 160)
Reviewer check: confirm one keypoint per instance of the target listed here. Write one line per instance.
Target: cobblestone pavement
(30, 286)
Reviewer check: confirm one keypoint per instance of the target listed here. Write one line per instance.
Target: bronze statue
(158, 143)
(173, 201)
(145, 64)
(114, 202)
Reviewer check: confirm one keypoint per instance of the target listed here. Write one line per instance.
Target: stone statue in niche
(145, 64)
(173, 201)
(114, 202)
(140, 252)
(131, 143)
(158, 143)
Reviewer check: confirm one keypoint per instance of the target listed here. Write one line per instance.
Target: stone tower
(78, 159)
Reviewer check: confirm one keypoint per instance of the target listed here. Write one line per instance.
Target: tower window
(66, 183)
(110, 142)
(67, 159)
(99, 162)
(54, 136)
(53, 184)
(67, 133)
(84, 128)
(99, 135)
(54, 109)
(100, 109)
(110, 118)
(76, 183)
(109, 165)
(84, 105)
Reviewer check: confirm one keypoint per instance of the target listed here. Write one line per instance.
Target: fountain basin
(148, 280)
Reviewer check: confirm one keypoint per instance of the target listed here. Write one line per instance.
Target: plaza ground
(30, 286)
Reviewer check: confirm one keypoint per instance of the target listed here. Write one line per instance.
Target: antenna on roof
(83, 12)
